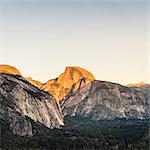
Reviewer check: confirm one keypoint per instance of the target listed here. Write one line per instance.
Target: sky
(109, 38)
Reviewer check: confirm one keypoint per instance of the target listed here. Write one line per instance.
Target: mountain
(91, 114)
(138, 84)
(105, 100)
(60, 86)
(34, 82)
(9, 70)
(21, 102)
(14, 71)
(73, 75)
(55, 89)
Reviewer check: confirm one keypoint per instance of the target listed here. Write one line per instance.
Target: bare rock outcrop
(20, 100)
(61, 86)
(34, 82)
(9, 70)
(105, 100)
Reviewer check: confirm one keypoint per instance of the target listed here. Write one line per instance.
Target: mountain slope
(55, 89)
(105, 100)
(60, 86)
(9, 70)
(73, 75)
(34, 82)
(20, 100)
(14, 71)
(138, 84)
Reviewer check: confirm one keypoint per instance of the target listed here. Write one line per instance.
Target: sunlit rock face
(61, 86)
(58, 87)
(14, 71)
(73, 75)
(34, 82)
(105, 100)
(20, 100)
(9, 70)
(138, 84)
(55, 89)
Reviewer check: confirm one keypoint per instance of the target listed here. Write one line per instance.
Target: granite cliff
(105, 100)
(21, 102)
(9, 70)
(61, 86)
(74, 93)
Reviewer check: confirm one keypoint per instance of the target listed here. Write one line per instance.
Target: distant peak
(73, 75)
(34, 82)
(84, 73)
(142, 83)
(72, 67)
(60, 86)
(9, 70)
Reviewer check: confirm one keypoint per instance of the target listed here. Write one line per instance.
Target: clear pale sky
(107, 37)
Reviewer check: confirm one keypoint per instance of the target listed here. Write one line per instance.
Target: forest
(82, 134)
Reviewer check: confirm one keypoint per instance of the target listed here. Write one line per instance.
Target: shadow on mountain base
(82, 134)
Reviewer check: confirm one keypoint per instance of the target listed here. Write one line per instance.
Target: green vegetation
(82, 134)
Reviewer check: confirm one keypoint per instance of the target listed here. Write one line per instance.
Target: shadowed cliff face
(58, 87)
(77, 91)
(61, 86)
(20, 100)
(104, 100)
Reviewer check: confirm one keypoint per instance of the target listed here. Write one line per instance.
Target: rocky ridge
(138, 84)
(9, 70)
(61, 86)
(34, 82)
(20, 100)
(24, 100)
(105, 100)
(58, 87)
